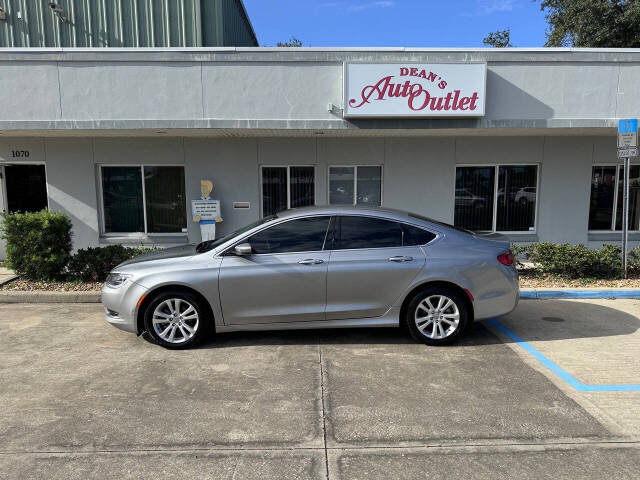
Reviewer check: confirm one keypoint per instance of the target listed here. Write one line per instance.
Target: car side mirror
(243, 249)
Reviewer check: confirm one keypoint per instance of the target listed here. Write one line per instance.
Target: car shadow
(533, 320)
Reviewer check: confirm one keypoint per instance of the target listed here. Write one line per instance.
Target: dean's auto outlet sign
(414, 90)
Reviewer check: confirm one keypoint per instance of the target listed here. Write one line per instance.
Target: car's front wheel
(177, 320)
(436, 316)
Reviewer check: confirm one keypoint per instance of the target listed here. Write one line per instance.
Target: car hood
(174, 253)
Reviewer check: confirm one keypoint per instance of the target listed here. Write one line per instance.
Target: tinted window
(415, 236)
(367, 232)
(302, 235)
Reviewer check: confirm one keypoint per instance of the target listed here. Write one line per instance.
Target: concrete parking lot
(81, 399)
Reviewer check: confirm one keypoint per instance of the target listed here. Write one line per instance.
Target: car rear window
(357, 232)
(414, 236)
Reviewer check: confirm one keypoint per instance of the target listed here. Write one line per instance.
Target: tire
(436, 326)
(190, 325)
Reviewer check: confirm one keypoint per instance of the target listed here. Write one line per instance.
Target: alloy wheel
(437, 317)
(175, 320)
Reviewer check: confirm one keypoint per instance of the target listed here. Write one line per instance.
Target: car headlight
(115, 280)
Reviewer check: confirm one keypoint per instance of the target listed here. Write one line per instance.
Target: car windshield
(208, 245)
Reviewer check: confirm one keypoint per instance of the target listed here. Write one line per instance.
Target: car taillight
(506, 258)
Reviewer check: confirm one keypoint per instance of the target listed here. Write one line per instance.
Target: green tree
(592, 23)
(292, 42)
(499, 39)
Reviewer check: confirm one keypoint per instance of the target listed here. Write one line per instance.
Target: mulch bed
(31, 286)
(530, 279)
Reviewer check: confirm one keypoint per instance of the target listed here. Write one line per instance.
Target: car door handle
(310, 261)
(400, 259)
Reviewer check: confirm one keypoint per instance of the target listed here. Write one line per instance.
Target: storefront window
(475, 188)
(358, 185)
(634, 198)
(603, 192)
(165, 199)
(517, 193)
(508, 206)
(122, 197)
(606, 205)
(287, 187)
(125, 201)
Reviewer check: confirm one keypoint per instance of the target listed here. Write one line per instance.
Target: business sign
(414, 89)
(206, 209)
(628, 137)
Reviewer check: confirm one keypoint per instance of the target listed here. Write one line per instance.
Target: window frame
(3, 180)
(288, 167)
(614, 211)
(355, 183)
(494, 221)
(229, 250)
(336, 217)
(146, 233)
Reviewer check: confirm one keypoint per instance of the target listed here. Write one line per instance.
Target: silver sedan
(317, 267)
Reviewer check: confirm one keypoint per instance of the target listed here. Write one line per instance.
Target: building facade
(130, 23)
(517, 141)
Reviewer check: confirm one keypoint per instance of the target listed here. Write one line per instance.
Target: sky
(396, 23)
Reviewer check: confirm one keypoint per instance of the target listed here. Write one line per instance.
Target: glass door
(25, 188)
(3, 191)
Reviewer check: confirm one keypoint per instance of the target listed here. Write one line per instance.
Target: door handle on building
(400, 259)
(310, 261)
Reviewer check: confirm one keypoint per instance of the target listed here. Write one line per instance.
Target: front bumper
(121, 305)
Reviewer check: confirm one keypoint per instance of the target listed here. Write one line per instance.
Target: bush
(576, 261)
(94, 264)
(38, 244)
(633, 261)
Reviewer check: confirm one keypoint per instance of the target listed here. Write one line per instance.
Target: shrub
(38, 244)
(633, 261)
(576, 261)
(94, 264)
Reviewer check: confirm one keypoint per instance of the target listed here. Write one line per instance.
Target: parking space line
(557, 369)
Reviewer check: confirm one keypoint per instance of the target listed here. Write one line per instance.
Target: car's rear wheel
(436, 316)
(177, 320)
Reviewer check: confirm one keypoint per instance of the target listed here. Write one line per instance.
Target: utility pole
(627, 148)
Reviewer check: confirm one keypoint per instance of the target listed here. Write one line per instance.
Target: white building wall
(418, 175)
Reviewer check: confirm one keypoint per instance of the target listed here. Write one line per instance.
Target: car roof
(344, 210)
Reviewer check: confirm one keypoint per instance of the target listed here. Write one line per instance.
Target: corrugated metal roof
(125, 23)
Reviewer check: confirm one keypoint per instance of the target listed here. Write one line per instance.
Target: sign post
(627, 148)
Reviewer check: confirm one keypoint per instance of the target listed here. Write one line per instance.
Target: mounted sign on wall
(414, 90)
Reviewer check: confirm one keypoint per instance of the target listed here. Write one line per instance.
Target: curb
(607, 293)
(36, 296)
(525, 294)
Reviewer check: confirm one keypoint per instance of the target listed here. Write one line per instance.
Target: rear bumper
(121, 305)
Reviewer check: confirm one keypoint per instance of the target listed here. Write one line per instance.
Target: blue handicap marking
(629, 125)
(557, 369)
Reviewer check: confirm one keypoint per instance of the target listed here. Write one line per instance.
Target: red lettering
(474, 99)
(415, 94)
(455, 99)
(432, 77)
(367, 92)
(418, 98)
